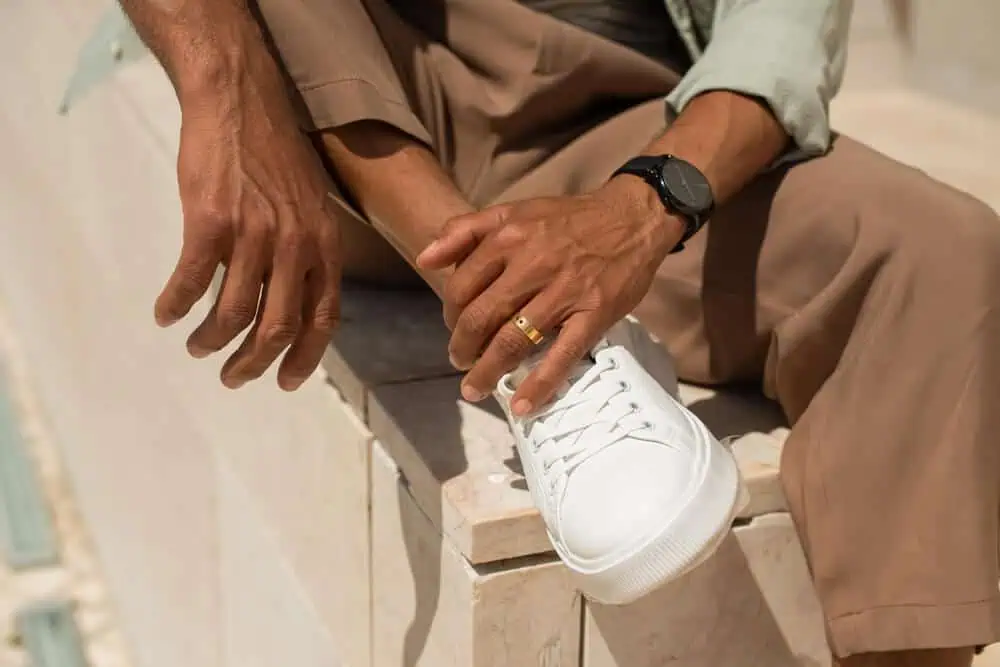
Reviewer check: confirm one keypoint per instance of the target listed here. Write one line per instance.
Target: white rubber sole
(694, 534)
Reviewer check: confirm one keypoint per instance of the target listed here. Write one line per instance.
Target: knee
(969, 235)
(966, 224)
(948, 238)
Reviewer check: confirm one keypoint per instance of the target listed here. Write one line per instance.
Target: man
(479, 139)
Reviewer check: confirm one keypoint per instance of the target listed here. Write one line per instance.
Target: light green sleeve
(790, 53)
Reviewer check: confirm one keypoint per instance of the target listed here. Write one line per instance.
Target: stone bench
(461, 571)
(381, 527)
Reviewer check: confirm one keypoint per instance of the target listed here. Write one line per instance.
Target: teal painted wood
(26, 529)
(113, 43)
(49, 634)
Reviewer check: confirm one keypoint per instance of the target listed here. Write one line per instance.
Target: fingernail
(472, 394)
(198, 352)
(166, 315)
(522, 407)
(291, 384)
(457, 364)
(233, 382)
(426, 251)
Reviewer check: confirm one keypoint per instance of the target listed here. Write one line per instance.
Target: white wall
(171, 470)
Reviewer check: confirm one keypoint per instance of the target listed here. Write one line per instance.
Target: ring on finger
(529, 330)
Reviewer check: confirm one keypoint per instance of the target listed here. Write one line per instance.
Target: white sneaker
(633, 488)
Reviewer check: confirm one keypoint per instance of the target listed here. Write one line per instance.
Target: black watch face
(687, 187)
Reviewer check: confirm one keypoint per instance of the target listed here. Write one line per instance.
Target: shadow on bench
(462, 569)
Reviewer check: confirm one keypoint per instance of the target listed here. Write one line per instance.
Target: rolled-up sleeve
(789, 53)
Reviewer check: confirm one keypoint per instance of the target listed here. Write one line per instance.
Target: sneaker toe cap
(622, 496)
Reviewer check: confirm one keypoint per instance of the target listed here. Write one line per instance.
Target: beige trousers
(859, 293)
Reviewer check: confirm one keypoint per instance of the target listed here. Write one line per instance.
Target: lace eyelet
(634, 407)
(647, 425)
(613, 364)
(625, 386)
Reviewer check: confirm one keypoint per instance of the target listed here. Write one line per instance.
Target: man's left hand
(573, 266)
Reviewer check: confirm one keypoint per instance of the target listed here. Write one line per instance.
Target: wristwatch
(681, 187)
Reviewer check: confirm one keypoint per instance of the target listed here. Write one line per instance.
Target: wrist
(640, 202)
(206, 55)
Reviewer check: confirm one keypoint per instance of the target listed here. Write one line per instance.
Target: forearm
(729, 137)
(398, 184)
(205, 45)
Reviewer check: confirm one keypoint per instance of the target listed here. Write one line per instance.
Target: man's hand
(256, 200)
(572, 265)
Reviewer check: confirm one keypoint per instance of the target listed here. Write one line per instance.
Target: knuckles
(596, 300)
(292, 237)
(511, 235)
(279, 333)
(459, 225)
(548, 265)
(212, 222)
(325, 319)
(262, 227)
(473, 322)
(511, 345)
(236, 317)
(189, 285)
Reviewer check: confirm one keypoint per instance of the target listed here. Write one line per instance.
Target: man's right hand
(256, 200)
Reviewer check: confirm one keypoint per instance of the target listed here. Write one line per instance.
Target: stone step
(388, 358)
(299, 530)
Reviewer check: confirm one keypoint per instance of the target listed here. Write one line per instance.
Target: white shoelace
(584, 419)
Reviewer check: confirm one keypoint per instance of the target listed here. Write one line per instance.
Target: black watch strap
(642, 163)
(650, 169)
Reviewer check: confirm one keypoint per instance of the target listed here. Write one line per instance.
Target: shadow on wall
(389, 337)
(901, 16)
(701, 619)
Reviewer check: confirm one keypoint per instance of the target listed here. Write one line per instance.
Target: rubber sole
(691, 538)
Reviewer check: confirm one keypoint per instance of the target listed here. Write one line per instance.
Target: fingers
(466, 311)
(485, 302)
(319, 319)
(510, 346)
(460, 237)
(278, 322)
(320, 313)
(578, 334)
(188, 282)
(483, 267)
(236, 305)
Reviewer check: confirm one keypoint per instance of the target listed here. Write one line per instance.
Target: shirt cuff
(775, 60)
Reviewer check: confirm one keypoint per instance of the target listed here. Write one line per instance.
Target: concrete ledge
(433, 608)
(751, 604)
(462, 573)
(389, 361)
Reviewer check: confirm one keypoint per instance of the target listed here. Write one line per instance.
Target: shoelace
(584, 419)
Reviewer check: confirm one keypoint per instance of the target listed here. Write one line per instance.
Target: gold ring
(528, 329)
